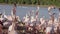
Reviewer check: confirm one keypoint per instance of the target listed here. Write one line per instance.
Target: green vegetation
(33, 2)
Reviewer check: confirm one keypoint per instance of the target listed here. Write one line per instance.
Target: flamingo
(11, 29)
(50, 28)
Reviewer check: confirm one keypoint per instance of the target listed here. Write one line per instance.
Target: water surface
(22, 10)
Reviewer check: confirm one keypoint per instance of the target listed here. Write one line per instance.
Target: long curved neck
(13, 26)
(14, 17)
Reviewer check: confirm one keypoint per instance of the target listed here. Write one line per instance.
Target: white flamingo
(51, 26)
(11, 29)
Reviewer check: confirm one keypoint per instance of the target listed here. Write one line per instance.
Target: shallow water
(22, 10)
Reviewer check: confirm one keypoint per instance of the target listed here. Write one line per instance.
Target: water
(22, 10)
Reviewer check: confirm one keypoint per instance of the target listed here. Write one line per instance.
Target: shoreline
(29, 5)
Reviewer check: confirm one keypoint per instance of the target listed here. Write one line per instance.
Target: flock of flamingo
(50, 25)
